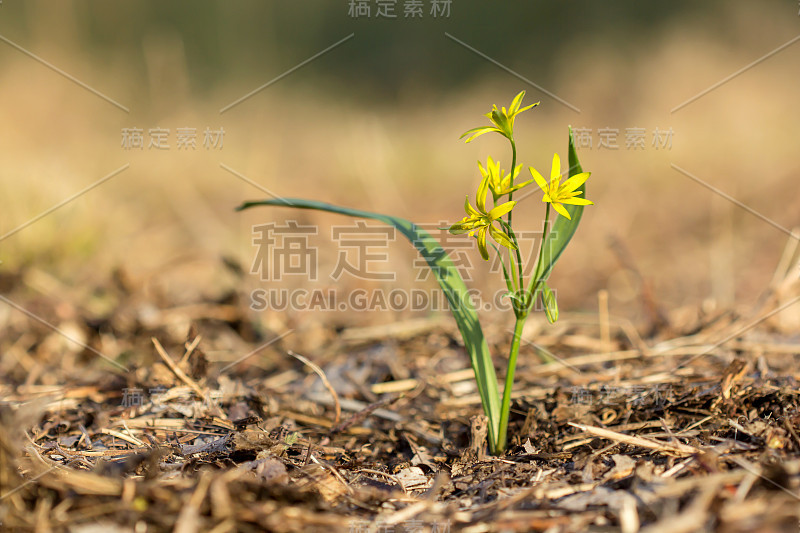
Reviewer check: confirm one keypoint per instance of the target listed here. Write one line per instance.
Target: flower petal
(512, 109)
(459, 228)
(561, 210)
(483, 191)
(539, 179)
(477, 132)
(555, 171)
(482, 244)
(501, 210)
(527, 107)
(501, 237)
(492, 165)
(576, 201)
(484, 172)
(517, 187)
(575, 181)
(493, 173)
(470, 210)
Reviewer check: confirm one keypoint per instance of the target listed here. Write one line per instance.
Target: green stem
(518, 271)
(535, 281)
(505, 406)
(511, 173)
(510, 198)
(511, 287)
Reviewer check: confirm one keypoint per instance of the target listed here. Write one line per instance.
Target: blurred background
(366, 111)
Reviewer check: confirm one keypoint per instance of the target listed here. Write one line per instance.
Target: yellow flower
(499, 182)
(557, 193)
(483, 222)
(503, 120)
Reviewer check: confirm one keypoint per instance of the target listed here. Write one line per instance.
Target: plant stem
(516, 279)
(536, 279)
(505, 406)
(511, 174)
(511, 287)
(518, 270)
(508, 224)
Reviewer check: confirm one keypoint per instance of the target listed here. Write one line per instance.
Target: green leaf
(549, 303)
(563, 229)
(450, 281)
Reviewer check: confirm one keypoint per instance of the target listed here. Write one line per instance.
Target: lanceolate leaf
(451, 283)
(563, 229)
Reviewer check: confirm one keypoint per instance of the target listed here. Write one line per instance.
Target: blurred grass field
(352, 141)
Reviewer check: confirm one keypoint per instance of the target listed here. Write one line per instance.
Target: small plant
(567, 198)
(290, 439)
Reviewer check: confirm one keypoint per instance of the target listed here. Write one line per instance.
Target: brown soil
(692, 428)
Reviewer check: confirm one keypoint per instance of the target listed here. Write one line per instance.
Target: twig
(363, 414)
(325, 382)
(177, 371)
(122, 436)
(332, 469)
(677, 449)
(190, 349)
(388, 476)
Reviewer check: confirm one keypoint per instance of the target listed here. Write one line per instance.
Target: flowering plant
(567, 199)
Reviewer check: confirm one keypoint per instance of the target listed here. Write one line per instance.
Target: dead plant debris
(113, 419)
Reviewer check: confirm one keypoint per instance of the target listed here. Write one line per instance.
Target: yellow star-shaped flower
(502, 119)
(499, 181)
(557, 193)
(482, 221)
